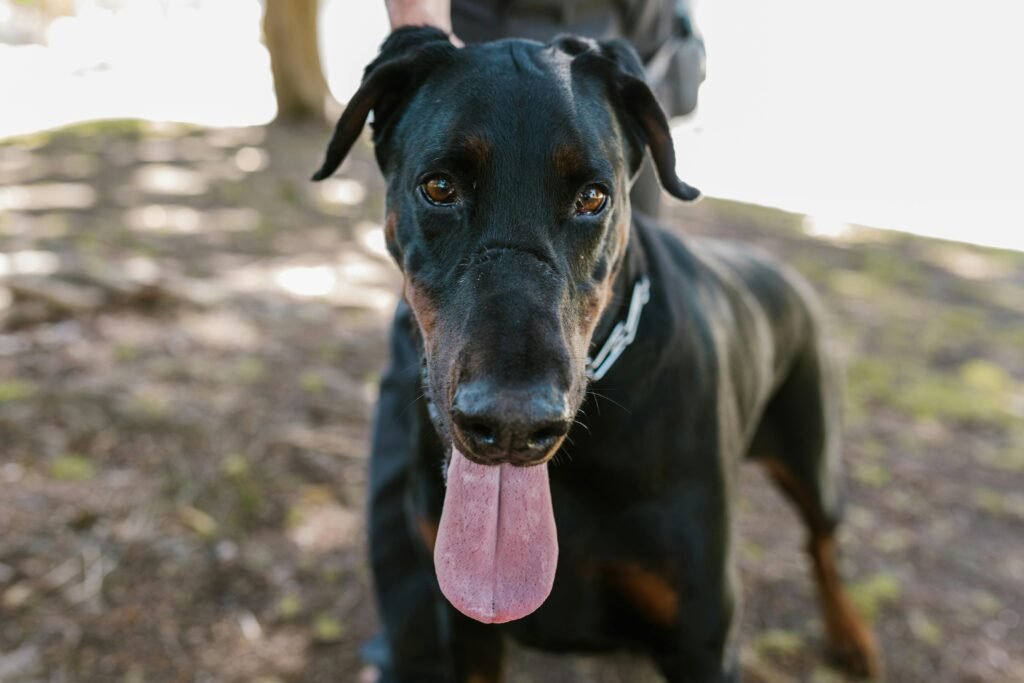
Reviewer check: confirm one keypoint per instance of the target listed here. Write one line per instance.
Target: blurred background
(191, 333)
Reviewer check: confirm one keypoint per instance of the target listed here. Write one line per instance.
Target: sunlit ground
(191, 337)
(897, 115)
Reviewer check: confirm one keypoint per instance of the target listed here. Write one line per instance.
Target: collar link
(622, 335)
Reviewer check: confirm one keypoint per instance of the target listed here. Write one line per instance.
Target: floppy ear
(405, 58)
(644, 119)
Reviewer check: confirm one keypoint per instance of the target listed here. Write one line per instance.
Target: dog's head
(508, 168)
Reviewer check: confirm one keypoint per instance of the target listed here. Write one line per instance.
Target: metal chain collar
(622, 334)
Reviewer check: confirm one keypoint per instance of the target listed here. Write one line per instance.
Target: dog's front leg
(702, 645)
(475, 650)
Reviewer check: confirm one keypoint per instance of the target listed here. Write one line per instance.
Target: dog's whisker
(610, 400)
(422, 395)
(562, 453)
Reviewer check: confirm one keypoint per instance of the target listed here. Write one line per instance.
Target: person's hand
(419, 12)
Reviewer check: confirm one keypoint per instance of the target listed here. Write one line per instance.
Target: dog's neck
(634, 266)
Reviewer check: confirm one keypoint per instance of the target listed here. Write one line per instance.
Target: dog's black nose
(519, 425)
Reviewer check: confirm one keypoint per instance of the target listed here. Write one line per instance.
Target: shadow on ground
(190, 338)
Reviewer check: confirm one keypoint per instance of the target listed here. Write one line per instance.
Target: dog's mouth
(486, 443)
(503, 403)
(496, 549)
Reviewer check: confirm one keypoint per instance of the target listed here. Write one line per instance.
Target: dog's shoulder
(740, 269)
(752, 297)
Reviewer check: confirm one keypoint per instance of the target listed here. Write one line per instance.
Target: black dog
(554, 323)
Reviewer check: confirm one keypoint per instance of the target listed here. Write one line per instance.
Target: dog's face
(508, 168)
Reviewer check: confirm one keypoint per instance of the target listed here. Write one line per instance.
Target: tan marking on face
(623, 237)
(390, 222)
(593, 307)
(649, 591)
(390, 235)
(478, 149)
(567, 159)
(422, 307)
(596, 305)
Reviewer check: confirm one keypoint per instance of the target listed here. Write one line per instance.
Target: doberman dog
(591, 382)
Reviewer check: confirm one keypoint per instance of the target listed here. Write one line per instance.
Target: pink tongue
(496, 547)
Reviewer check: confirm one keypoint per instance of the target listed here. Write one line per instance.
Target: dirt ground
(190, 339)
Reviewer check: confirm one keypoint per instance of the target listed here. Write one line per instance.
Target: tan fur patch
(594, 306)
(428, 532)
(567, 160)
(649, 591)
(390, 233)
(792, 488)
(478, 149)
(422, 307)
(848, 637)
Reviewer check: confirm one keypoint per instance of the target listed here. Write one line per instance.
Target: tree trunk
(289, 27)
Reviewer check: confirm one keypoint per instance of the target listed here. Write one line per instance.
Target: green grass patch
(874, 593)
(246, 489)
(978, 393)
(312, 382)
(985, 603)
(871, 474)
(751, 551)
(893, 268)
(892, 541)
(123, 128)
(72, 467)
(869, 381)
(14, 390)
(779, 642)
(198, 521)
(328, 629)
(289, 606)
(924, 628)
(766, 218)
(250, 370)
(854, 284)
(985, 376)
(999, 504)
(125, 353)
(1008, 459)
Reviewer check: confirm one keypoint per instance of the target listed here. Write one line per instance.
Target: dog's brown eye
(440, 190)
(590, 200)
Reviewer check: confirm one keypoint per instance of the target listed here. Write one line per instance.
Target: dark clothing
(646, 24)
(659, 30)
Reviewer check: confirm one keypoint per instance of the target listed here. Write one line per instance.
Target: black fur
(510, 287)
